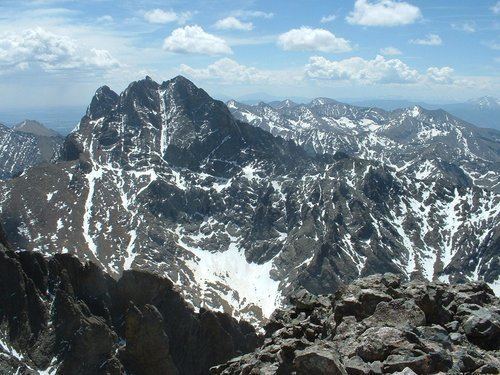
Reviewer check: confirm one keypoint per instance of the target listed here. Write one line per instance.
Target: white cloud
(101, 58)
(383, 13)
(357, 69)
(252, 14)
(228, 71)
(429, 40)
(193, 39)
(390, 51)
(328, 18)
(467, 27)
(49, 52)
(166, 16)
(442, 75)
(378, 71)
(496, 8)
(232, 23)
(307, 39)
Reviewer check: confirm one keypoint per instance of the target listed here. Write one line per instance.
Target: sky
(58, 52)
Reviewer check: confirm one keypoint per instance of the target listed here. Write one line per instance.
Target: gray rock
(396, 313)
(483, 328)
(316, 360)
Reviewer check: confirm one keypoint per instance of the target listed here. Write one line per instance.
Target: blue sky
(57, 52)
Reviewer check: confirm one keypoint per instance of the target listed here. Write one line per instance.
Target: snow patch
(251, 281)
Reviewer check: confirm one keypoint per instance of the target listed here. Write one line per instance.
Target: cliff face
(378, 325)
(59, 316)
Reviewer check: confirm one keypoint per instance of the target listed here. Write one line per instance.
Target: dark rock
(316, 360)
(147, 348)
(92, 315)
(483, 328)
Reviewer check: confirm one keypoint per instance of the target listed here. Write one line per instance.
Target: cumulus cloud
(383, 13)
(390, 51)
(357, 69)
(101, 58)
(429, 40)
(496, 8)
(307, 39)
(232, 23)
(328, 18)
(161, 16)
(442, 75)
(377, 71)
(467, 27)
(48, 51)
(228, 71)
(195, 40)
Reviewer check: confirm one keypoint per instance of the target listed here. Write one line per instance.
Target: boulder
(316, 360)
(483, 328)
(396, 313)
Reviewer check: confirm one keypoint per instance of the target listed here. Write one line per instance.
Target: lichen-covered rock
(379, 325)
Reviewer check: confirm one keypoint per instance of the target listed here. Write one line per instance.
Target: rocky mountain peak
(35, 128)
(287, 103)
(102, 102)
(323, 101)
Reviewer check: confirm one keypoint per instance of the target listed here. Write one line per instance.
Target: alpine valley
(239, 206)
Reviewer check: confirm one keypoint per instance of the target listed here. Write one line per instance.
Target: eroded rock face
(379, 325)
(64, 317)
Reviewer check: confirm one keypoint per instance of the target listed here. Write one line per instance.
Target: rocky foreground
(379, 325)
(59, 316)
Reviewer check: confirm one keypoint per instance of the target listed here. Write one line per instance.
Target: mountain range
(425, 143)
(483, 112)
(162, 177)
(26, 144)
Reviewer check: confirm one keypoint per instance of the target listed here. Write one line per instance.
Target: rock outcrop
(379, 325)
(59, 316)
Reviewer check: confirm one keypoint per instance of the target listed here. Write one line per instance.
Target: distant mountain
(482, 112)
(428, 144)
(256, 98)
(26, 144)
(61, 119)
(35, 128)
(162, 177)
(389, 104)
